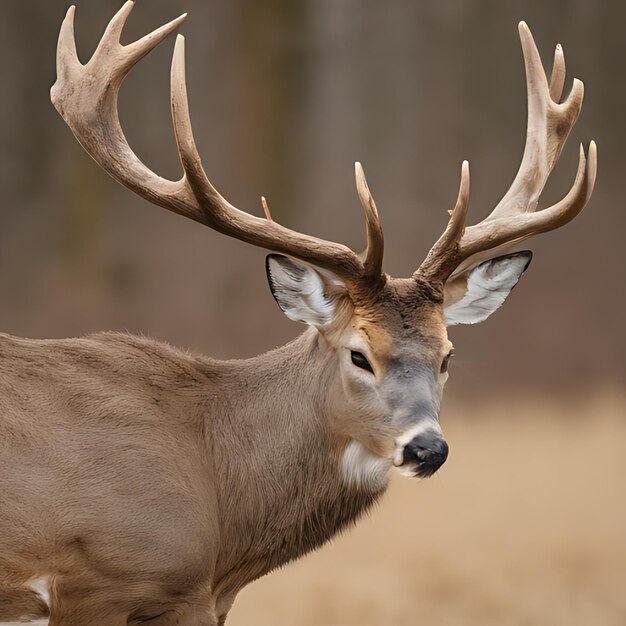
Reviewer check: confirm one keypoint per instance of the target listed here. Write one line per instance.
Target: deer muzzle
(426, 452)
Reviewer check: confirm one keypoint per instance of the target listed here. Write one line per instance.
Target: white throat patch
(362, 468)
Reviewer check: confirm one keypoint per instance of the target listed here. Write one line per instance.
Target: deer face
(392, 355)
(390, 351)
(388, 341)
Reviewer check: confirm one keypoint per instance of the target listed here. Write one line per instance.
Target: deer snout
(427, 452)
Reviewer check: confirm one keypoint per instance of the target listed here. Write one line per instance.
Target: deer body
(141, 483)
(116, 411)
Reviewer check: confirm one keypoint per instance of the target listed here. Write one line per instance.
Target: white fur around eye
(301, 290)
(488, 286)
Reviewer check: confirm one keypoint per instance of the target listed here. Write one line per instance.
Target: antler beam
(86, 96)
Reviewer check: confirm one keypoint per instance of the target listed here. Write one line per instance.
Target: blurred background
(525, 523)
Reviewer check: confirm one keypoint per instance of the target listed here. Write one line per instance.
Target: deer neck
(281, 490)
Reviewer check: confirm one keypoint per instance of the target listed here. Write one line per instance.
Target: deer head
(384, 338)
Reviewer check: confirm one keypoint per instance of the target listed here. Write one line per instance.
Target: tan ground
(525, 525)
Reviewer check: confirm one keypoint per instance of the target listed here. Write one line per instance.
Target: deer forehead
(400, 322)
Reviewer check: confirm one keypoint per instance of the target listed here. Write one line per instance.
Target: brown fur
(135, 466)
(19, 604)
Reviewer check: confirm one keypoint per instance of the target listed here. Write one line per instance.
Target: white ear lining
(488, 286)
(302, 290)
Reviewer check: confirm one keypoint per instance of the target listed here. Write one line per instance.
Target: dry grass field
(525, 525)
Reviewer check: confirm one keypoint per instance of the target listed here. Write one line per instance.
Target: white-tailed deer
(139, 483)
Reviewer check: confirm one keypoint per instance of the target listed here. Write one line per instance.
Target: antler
(86, 96)
(516, 218)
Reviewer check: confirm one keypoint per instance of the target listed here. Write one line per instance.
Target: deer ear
(475, 294)
(304, 292)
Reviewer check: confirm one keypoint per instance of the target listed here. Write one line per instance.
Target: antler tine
(456, 225)
(503, 232)
(222, 216)
(578, 196)
(137, 50)
(442, 258)
(113, 31)
(516, 217)
(128, 56)
(67, 57)
(266, 209)
(536, 81)
(557, 78)
(375, 239)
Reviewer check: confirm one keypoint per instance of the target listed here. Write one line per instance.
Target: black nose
(427, 452)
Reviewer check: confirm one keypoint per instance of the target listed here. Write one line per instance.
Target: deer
(143, 483)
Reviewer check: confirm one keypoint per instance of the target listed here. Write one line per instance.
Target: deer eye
(360, 361)
(446, 361)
